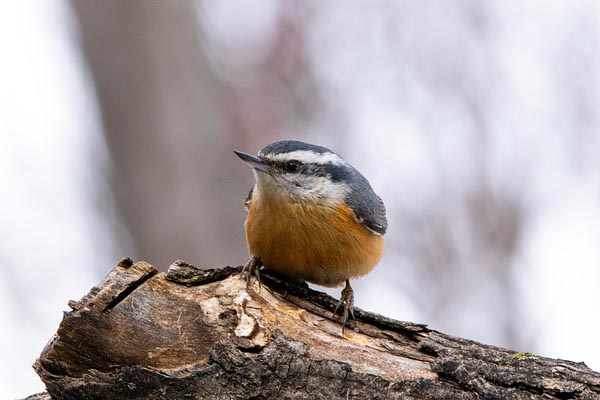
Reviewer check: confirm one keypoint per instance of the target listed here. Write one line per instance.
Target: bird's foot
(252, 268)
(347, 301)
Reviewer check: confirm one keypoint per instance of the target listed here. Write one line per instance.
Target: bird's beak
(252, 161)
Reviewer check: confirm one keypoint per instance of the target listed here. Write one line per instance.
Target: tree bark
(202, 334)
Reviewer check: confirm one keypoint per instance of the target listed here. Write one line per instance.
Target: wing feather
(367, 206)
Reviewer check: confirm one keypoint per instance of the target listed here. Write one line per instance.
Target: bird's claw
(347, 301)
(252, 268)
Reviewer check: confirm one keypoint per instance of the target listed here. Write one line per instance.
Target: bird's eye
(291, 166)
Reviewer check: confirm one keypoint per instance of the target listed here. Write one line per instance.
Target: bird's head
(300, 172)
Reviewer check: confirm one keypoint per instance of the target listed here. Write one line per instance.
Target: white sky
(49, 252)
(52, 243)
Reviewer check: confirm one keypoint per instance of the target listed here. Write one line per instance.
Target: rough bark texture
(200, 334)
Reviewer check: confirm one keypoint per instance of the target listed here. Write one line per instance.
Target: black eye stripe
(334, 172)
(291, 166)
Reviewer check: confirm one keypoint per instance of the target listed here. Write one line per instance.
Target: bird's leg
(347, 301)
(252, 268)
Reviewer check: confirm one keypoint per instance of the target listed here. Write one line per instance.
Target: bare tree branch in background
(462, 243)
(462, 248)
(272, 91)
(162, 110)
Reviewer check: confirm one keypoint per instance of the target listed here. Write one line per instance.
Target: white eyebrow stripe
(309, 156)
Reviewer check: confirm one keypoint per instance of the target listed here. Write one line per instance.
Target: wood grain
(200, 334)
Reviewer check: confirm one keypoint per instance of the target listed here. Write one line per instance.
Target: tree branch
(194, 333)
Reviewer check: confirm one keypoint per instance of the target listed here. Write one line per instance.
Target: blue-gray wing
(372, 215)
(367, 206)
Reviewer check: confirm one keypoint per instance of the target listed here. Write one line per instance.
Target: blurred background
(477, 123)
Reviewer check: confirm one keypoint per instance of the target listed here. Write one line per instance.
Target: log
(202, 334)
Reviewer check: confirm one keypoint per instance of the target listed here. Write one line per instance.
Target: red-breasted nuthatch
(312, 217)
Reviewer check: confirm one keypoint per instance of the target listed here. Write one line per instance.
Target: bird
(312, 217)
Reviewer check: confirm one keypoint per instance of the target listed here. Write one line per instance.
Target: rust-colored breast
(318, 244)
